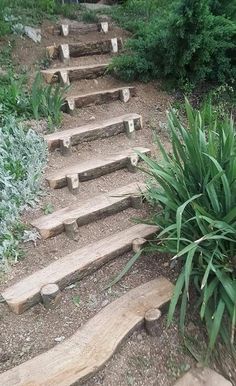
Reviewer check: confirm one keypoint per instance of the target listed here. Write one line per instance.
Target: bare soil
(141, 360)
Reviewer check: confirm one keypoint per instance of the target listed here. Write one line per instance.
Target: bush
(22, 159)
(188, 45)
(193, 197)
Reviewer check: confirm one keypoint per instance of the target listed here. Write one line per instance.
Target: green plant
(89, 16)
(48, 208)
(193, 195)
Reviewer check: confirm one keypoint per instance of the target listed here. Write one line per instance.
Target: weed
(48, 208)
(89, 16)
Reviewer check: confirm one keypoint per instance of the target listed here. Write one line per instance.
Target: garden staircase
(82, 355)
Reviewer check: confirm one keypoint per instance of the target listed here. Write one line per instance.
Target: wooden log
(151, 320)
(64, 30)
(88, 210)
(138, 244)
(129, 128)
(93, 168)
(132, 163)
(71, 228)
(64, 77)
(73, 183)
(86, 352)
(90, 132)
(64, 53)
(94, 48)
(74, 266)
(98, 97)
(137, 202)
(50, 294)
(65, 146)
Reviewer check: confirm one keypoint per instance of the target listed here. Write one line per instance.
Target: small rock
(105, 303)
(33, 33)
(166, 265)
(139, 337)
(70, 286)
(59, 339)
(92, 118)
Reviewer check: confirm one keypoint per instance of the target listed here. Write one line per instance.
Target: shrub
(190, 44)
(193, 197)
(22, 159)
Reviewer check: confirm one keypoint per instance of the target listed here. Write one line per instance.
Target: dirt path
(141, 360)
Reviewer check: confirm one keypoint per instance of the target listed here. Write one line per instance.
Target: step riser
(73, 267)
(98, 98)
(96, 133)
(73, 74)
(79, 30)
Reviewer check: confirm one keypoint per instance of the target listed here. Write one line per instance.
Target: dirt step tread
(91, 131)
(93, 168)
(87, 351)
(202, 377)
(75, 72)
(73, 266)
(88, 210)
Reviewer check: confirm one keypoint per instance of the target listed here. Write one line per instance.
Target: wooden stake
(64, 53)
(137, 202)
(73, 183)
(50, 294)
(129, 128)
(104, 27)
(64, 30)
(70, 108)
(114, 45)
(125, 95)
(71, 228)
(64, 77)
(151, 321)
(138, 244)
(132, 163)
(65, 146)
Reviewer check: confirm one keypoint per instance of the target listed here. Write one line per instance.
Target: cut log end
(151, 319)
(71, 228)
(73, 183)
(50, 294)
(138, 244)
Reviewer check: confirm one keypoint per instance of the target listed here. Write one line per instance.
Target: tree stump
(71, 228)
(151, 321)
(129, 128)
(138, 244)
(65, 146)
(50, 294)
(73, 183)
(132, 163)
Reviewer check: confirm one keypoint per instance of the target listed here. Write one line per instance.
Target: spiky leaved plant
(193, 196)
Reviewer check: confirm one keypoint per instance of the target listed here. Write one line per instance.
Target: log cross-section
(87, 351)
(89, 210)
(73, 267)
(97, 167)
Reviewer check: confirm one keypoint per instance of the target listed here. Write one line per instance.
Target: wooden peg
(70, 106)
(138, 244)
(64, 53)
(50, 294)
(71, 228)
(64, 30)
(132, 163)
(64, 77)
(104, 27)
(65, 146)
(73, 183)
(151, 321)
(137, 202)
(129, 128)
(114, 45)
(125, 95)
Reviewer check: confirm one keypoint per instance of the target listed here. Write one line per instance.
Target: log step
(74, 50)
(68, 74)
(97, 130)
(89, 210)
(80, 28)
(94, 167)
(98, 98)
(87, 351)
(73, 267)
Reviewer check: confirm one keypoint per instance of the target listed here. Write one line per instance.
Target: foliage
(22, 158)
(188, 44)
(89, 16)
(193, 196)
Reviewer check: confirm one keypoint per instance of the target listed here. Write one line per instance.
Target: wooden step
(80, 28)
(75, 50)
(53, 75)
(73, 267)
(89, 210)
(96, 130)
(86, 352)
(98, 98)
(94, 167)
